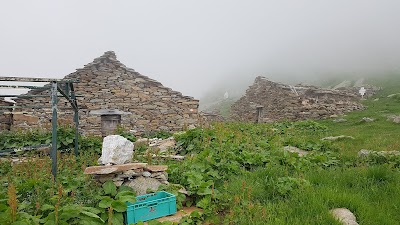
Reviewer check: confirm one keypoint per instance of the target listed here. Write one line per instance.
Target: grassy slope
(371, 192)
(380, 135)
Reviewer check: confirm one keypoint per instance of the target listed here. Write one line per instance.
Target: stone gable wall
(108, 84)
(283, 102)
(5, 118)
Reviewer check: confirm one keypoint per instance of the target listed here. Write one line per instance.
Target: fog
(194, 46)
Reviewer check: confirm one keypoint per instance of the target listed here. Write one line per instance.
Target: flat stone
(295, 150)
(335, 138)
(367, 120)
(156, 168)
(114, 168)
(364, 153)
(340, 120)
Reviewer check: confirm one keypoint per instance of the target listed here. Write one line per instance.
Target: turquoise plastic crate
(150, 206)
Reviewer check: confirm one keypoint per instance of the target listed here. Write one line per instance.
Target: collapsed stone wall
(106, 83)
(267, 101)
(5, 116)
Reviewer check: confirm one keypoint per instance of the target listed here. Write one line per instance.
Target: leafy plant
(114, 202)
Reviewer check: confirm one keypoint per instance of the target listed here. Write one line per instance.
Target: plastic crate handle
(152, 204)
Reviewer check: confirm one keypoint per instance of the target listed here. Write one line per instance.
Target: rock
(392, 95)
(167, 144)
(345, 216)
(340, 120)
(295, 150)
(118, 183)
(160, 176)
(116, 150)
(367, 120)
(114, 168)
(141, 184)
(335, 138)
(365, 153)
(146, 174)
(158, 168)
(142, 141)
(394, 119)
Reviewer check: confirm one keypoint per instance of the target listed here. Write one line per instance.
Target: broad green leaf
(204, 191)
(105, 202)
(126, 196)
(118, 219)
(110, 188)
(91, 215)
(125, 188)
(46, 207)
(92, 210)
(20, 223)
(118, 206)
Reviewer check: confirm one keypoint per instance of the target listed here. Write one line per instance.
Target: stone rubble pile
(139, 176)
(267, 101)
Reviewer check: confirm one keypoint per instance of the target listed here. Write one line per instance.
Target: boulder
(365, 153)
(394, 119)
(295, 150)
(345, 216)
(116, 150)
(141, 184)
(367, 120)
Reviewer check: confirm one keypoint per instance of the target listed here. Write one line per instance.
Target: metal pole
(76, 116)
(53, 153)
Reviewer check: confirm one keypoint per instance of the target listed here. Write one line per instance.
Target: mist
(197, 46)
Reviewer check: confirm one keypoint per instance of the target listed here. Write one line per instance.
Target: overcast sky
(192, 45)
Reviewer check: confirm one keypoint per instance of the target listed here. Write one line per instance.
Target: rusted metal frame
(53, 152)
(76, 115)
(66, 95)
(3, 86)
(31, 79)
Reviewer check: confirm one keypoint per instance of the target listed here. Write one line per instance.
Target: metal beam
(31, 79)
(53, 152)
(2, 86)
(70, 87)
(31, 96)
(67, 97)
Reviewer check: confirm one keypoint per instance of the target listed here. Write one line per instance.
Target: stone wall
(267, 101)
(108, 84)
(5, 116)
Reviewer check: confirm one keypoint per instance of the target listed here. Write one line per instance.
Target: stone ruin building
(5, 116)
(106, 83)
(267, 101)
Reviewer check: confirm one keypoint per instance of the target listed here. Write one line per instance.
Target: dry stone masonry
(5, 116)
(139, 176)
(106, 83)
(267, 101)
